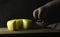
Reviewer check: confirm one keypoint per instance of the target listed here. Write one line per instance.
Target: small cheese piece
(19, 24)
(27, 23)
(10, 25)
(15, 24)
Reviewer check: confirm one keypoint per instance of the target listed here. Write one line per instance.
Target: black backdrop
(12, 9)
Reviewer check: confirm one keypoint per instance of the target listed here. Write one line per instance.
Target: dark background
(13, 9)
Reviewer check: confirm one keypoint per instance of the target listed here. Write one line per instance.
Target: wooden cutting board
(5, 31)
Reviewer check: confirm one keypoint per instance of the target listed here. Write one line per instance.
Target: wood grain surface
(6, 31)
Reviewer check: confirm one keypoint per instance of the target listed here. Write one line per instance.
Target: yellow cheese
(10, 25)
(19, 24)
(27, 23)
(14, 24)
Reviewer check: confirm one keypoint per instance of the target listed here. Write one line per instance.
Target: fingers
(36, 13)
(39, 12)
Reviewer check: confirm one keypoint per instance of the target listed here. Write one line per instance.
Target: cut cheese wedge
(15, 24)
(27, 23)
(10, 25)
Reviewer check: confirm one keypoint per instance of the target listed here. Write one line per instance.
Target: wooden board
(5, 31)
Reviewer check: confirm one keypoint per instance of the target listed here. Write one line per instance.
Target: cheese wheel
(18, 24)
